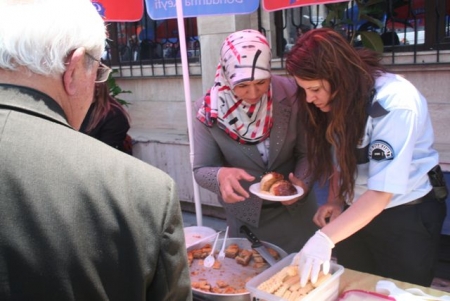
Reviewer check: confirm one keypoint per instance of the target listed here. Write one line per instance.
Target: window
(149, 41)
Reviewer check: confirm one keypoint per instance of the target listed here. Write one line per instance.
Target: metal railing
(150, 48)
(412, 31)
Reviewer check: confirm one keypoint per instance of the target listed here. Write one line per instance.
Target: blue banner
(166, 9)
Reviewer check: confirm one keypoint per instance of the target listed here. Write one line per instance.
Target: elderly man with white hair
(79, 220)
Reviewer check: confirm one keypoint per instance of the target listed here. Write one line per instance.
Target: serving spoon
(222, 250)
(209, 260)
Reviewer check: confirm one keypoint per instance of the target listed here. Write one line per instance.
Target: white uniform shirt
(400, 143)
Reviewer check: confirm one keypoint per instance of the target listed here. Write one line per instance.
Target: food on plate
(258, 265)
(217, 265)
(282, 188)
(274, 253)
(257, 257)
(202, 252)
(202, 285)
(221, 287)
(269, 179)
(221, 283)
(244, 256)
(286, 284)
(274, 183)
(232, 251)
(190, 258)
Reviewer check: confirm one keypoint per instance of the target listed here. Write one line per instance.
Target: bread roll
(282, 188)
(269, 179)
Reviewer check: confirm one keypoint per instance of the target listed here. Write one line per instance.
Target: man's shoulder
(114, 157)
(103, 159)
(122, 172)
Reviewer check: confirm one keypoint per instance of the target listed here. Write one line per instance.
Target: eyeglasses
(103, 71)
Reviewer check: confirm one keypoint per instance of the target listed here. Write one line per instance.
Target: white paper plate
(255, 189)
(195, 234)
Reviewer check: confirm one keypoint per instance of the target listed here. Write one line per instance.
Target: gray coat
(80, 220)
(213, 149)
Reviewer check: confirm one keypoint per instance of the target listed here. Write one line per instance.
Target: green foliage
(336, 15)
(372, 40)
(115, 90)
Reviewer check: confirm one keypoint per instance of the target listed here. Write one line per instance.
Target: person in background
(370, 132)
(248, 124)
(302, 29)
(107, 120)
(78, 219)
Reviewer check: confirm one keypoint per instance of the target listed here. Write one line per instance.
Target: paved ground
(217, 224)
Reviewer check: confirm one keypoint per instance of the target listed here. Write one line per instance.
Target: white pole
(187, 94)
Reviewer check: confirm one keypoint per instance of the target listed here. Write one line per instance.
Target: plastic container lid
(195, 234)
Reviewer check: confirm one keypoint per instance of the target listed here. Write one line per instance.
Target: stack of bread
(274, 183)
(286, 284)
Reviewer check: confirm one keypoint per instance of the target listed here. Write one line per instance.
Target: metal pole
(187, 94)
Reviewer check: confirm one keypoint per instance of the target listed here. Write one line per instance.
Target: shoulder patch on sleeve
(380, 150)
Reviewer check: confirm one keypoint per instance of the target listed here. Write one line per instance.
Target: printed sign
(166, 9)
(119, 10)
(271, 5)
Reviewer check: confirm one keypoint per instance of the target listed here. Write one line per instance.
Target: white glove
(316, 254)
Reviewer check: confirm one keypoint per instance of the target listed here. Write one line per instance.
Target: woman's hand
(334, 207)
(326, 213)
(230, 188)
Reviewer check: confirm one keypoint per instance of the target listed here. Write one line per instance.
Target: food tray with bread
(274, 187)
(281, 282)
(227, 277)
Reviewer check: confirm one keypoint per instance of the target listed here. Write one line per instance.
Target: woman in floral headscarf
(249, 124)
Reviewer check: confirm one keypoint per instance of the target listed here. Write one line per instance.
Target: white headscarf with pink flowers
(245, 56)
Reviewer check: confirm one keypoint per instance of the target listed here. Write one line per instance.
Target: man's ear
(74, 63)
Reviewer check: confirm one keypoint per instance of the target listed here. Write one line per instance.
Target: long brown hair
(102, 103)
(324, 54)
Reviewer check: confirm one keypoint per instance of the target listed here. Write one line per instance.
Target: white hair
(39, 34)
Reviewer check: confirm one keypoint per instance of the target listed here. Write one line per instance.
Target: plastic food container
(327, 291)
(196, 234)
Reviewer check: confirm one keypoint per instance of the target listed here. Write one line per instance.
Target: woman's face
(317, 92)
(252, 91)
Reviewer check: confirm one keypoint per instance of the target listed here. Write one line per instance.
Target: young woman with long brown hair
(107, 120)
(370, 133)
